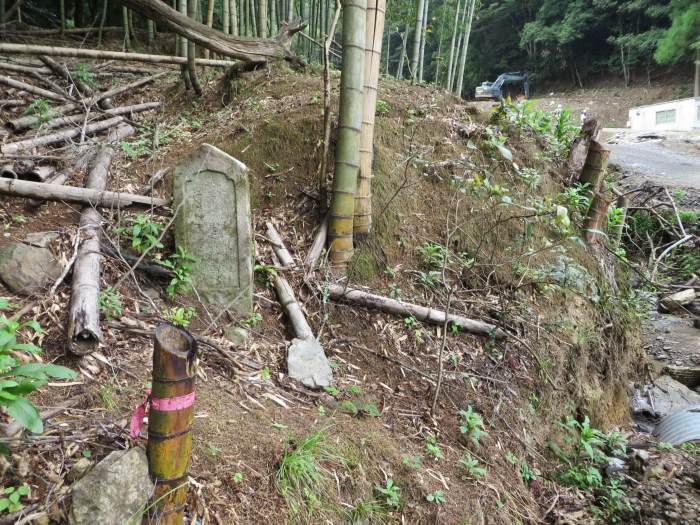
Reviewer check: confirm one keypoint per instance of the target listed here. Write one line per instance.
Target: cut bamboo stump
(85, 196)
(594, 223)
(169, 427)
(579, 148)
(339, 292)
(595, 166)
(84, 332)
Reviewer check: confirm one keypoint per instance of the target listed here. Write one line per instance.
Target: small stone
(614, 465)
(696, 323)
(667, 348)
(27, 268)
(78, 470)
(114, 490)
(237, 335)
(307, 363)
(41, 519)
(676, 301)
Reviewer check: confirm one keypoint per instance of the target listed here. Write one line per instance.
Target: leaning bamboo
(170, 427)
(99, 54)
(347, 151)
(594, 223)
(339, 292)
(84, 332)
(44, 93)
(373, 39)
(100, 199)
(27, 122)
(278, 246)
(317, 246)
(60, 136)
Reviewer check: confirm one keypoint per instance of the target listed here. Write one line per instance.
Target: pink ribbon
(163, 404)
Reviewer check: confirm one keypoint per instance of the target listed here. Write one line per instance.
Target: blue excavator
(503, 86)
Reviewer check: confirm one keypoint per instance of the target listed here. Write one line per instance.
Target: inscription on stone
(213, 223)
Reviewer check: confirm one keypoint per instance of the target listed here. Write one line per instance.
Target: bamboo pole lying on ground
(100, 199)
(44, 93)
(317, 246)
(28, 70)
(62, 71)
(58, 179)
(99, 54)
(84, 332)
(283, 254)
(339, 292)
(27, 122)
(60, 136)
(170, 422)
(122, 110)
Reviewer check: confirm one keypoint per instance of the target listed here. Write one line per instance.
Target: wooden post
(170, 430)
(594, 224)
(595, 166)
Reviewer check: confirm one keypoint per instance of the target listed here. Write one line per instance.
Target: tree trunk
(347, 151)
(262, 18)
(233, 11)
(62, 14)
(373, 54)
(423, 38)
(125, 23)
(402, 57)
(88, 197)
(415, 54)
(273, 15)
(465, 47)
(210, 20)
(226, 17)
(339, 292)
(258, 50)
(696, 90)
(182, 50)
(191, 66)
(103, 19)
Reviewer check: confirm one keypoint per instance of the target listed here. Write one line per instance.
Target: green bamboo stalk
(415, 54)
(226, 17)
(233, 11)
(373, 53)
(347, 151)
(262, 18)
(169, 432)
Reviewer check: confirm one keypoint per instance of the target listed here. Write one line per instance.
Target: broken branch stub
(339, 292)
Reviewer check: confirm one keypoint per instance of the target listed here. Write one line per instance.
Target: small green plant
(382, 107)
(252, 320)
(265, 270)
(411, 461)
(434, 255)
(180, 263)
(237, 478)
(689, 447)
(110, 303)
(20, 379)
(212, 449)
(575, 198)
(437, 497)
(180, 316)
(82, 73)
(390, 493)
(107, 397)
(472, 424)
(134, 150)
(143, 232)
(265, 373)
(664, 445)
(527, 474)
(471, 467)
(40, 108)
(432, 448)
(10, 500)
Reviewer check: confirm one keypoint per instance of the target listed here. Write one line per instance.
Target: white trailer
(675, 115)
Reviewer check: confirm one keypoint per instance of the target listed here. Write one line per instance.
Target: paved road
(658, 162)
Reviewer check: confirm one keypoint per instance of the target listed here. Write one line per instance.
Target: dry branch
(44, 93)
(339, 292)
(60, 136)
(99, 54)
(85, 196)
(317, 246)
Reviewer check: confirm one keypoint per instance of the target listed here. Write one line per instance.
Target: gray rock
(28, 267)
(237, 335)
(113, 491)
(307, 363)
(676, 301)
(615, 465)
(567, 273)
(214, 225)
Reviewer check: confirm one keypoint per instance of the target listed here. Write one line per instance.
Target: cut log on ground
(148, 188)
(27, 70)
(317, 246)
(98, 54)
(44, 93)
(60, 136)
(59, 179)
(339, 292)
(248, 50)
(62, 71)
(29, 121)
(85, 196)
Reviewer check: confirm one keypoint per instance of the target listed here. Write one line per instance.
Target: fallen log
(138, 265)
(27, 70)
(339, 292)
(122, 110)
(99, 54)
(85, 196)
(58, 179)
(60, 136)
(317, 246)
(148, 188)
(29, 121)
(245, 49)
(84, 332)
(11, 103)
(44, 93)
(62, 71)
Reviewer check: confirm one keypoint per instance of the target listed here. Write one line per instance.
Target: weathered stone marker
(212, 200)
